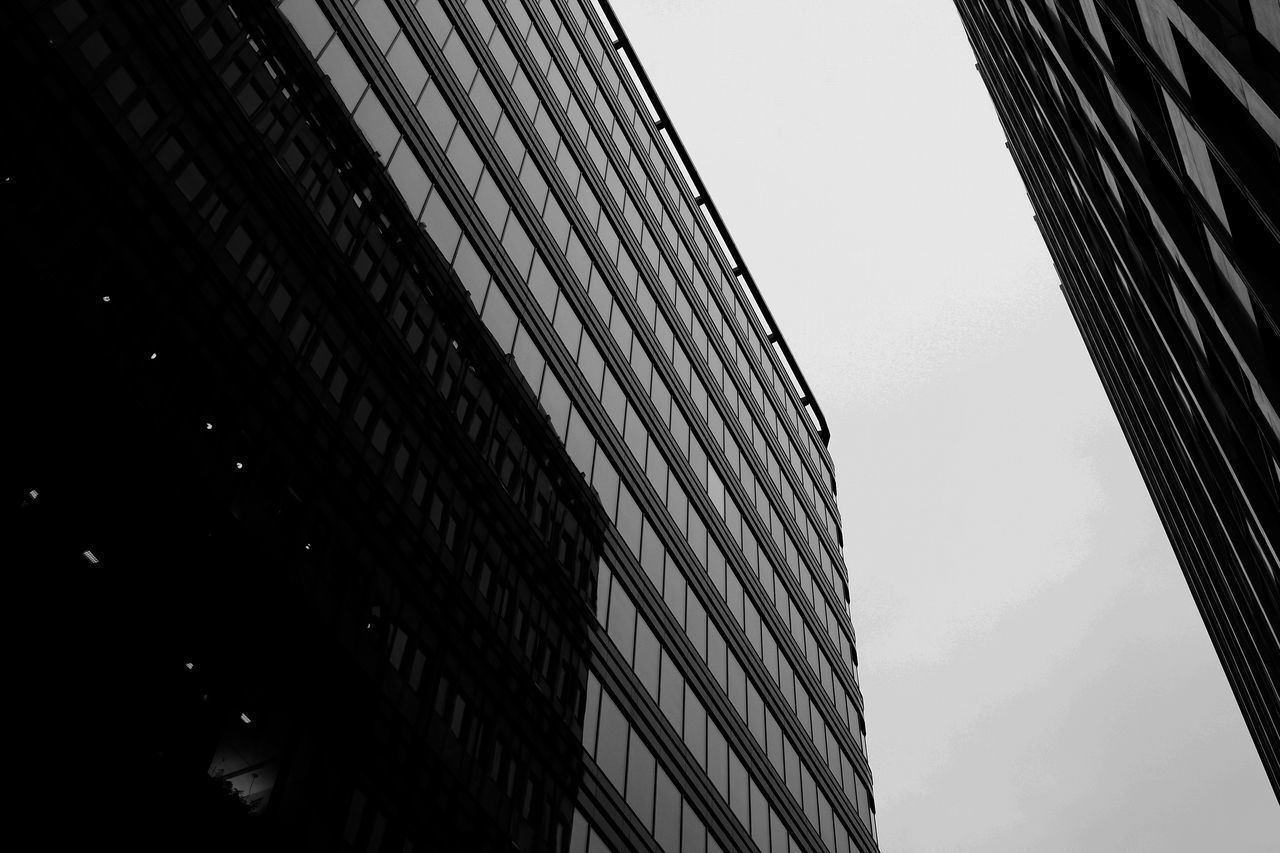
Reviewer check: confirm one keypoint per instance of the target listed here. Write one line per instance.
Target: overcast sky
(1035, 672)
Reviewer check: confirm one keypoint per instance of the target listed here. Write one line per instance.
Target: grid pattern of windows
(575, 236)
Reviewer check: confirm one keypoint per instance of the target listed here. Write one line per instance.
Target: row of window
(515, 238)
(646, 786)
(542, 284)
(603, 301)
(524, 351)
(405, 168)
(636, 529)
(634, 194)
(629, 763)
(658, 672)
(625, 417)
(628, 113)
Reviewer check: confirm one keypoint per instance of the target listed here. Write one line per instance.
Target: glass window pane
(580, 443)
(737, 687)
(568, 326)
(460, 58)
(759, 817)
(825, 823)
(591, 363)
(629, 519)
(542, 285)
(716, 655)
(646, 657)
(591, 716)
(604, 479)
(343, 73)
(673, 590)
(640, 777)
(410, 178)
(441, 225)
(755, 713)
(435, 19)
(437, 113)
(693, 835)
(810, 790)
(611, 745)
(696, 624)
(671, 695)
(738, 799)
(465, 160)
(556, 402)
(309, 21)
(483, 99)
(377, 126)
(520, 249)
(500, 317)
(777, 833)
(666, 813)
(408, 67)
(718, 759)
(652, 555)
(622, 621)
(695, 726)
(493, 205)
(773, 743)
(578, 833)
(378, 21)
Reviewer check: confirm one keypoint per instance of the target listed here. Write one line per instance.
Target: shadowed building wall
(324, 550)
(1148, 136)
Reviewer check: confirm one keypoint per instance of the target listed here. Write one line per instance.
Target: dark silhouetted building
(407, 459)
(1148, 136)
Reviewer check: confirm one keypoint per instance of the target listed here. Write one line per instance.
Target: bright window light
(90, 556)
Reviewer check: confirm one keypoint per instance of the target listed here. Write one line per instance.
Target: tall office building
(1148, 135)
(414, 439)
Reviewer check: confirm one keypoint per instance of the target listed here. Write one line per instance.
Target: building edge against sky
(720, 706)
(1148, 137)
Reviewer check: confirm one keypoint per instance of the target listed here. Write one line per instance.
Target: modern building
(409, 445)
(1148, 135)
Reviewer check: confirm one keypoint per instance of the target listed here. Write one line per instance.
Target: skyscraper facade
(1148, 135)
(507, 519)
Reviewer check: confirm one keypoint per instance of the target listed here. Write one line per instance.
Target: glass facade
(1148, 135)
(709, 678)
(514, 136)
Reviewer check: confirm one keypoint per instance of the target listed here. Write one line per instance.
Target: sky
(1035, 672)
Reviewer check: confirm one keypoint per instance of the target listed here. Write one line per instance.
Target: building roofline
(800, 387)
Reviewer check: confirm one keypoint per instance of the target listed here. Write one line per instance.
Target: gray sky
(1036, 674)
